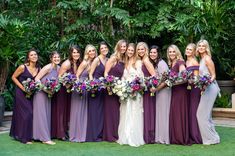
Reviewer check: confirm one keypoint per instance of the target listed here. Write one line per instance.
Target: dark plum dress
(149, 104)
(179, 122)
(95, 118)
(111, 108)
(22, 119)
(60, 114)
(194, 99)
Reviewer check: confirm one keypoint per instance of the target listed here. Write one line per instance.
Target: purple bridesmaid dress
(22, 119)
(179, 120)
(194, 99)
(95, 119)
(111, 108)
(149, 103)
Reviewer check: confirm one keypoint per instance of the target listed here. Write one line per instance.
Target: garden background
(49, 25)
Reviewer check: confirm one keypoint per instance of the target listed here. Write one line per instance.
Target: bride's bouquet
(30, 87)
(68, 79)
(151, 82)
(109, 83)
(50, 86)
(120, 89)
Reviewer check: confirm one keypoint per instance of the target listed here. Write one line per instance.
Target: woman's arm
(93, 67)
(43, 72)
(149, 67)
(109, 65)
(211, 67)
(64, 67)
(17, 72)
(81, 68)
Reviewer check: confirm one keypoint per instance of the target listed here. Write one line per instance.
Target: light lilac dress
(163, 102)
(78, 114)
(42, 111)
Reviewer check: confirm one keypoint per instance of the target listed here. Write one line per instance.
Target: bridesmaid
(163, 99)
(78, 113)
(115, 67)
(194, 94)
(22, 119)
(95, 104)
(178, 125)
(148, 101)
(42, 104)
(206, 125)
(61, 106)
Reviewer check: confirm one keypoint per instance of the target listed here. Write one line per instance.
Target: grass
(10, 147)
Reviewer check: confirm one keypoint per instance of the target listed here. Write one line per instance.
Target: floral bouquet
(68, 79)
(202, 82)
(80, 86)
(109, 82)
(120, 89)
(151, 83)
(136, 86)
(95, 85)
(51, 86)
(30, 87)
(185, 75)
(172, 77)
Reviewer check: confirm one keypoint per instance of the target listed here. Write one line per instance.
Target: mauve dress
(22, 119)
(178, 124)
(194, 99)
(204, 111)
(111, 108)
(78, 114)
(149, 104)
(42, 111)
(163, 102)
(60, 112)
(95, 120)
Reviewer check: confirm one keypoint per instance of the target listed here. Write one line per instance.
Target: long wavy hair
(71, 55)
(117, 50)
(86, 57)
(145, 47)
(158, 59)
(208, 49)
(26, 61)
(135, 55)
(177, 51)
(193, 46)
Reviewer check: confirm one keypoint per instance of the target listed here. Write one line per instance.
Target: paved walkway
(225, 122)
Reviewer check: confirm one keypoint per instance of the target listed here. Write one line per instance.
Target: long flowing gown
(163, 102)
(149, 113)
(42, 111)
(78, 114)
(60, 112)
(204, 111)
(131, 126)
(179, 126)
(22, 119)
(194, 99)
(95, 120)
(111, 108)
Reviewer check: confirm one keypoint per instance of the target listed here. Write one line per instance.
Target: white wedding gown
(130, 130)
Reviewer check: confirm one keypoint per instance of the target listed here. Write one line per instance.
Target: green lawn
(225, 148)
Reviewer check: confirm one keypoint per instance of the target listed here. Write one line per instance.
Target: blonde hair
(146, 49)
(177, 51)
(205, 42)
(117, 50)
(193, 46)
(86, 57)
(135, 56)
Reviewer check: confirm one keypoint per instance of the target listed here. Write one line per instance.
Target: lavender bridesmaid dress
(111, 108)
(149, 104)
(78, 114)
(22, 119)
(42, 111)
(194, 99)
(163, 102)
(179, 126)
(95, 120)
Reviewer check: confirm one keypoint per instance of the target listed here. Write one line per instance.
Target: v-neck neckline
(30, 72)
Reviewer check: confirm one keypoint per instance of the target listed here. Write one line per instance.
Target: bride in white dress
(130, 130)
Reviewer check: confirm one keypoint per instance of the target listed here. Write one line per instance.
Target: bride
(130, 130)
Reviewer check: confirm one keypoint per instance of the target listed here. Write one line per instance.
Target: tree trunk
(111, 20)
(3, 75)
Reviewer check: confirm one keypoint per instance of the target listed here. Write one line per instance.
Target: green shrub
(225, 101)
